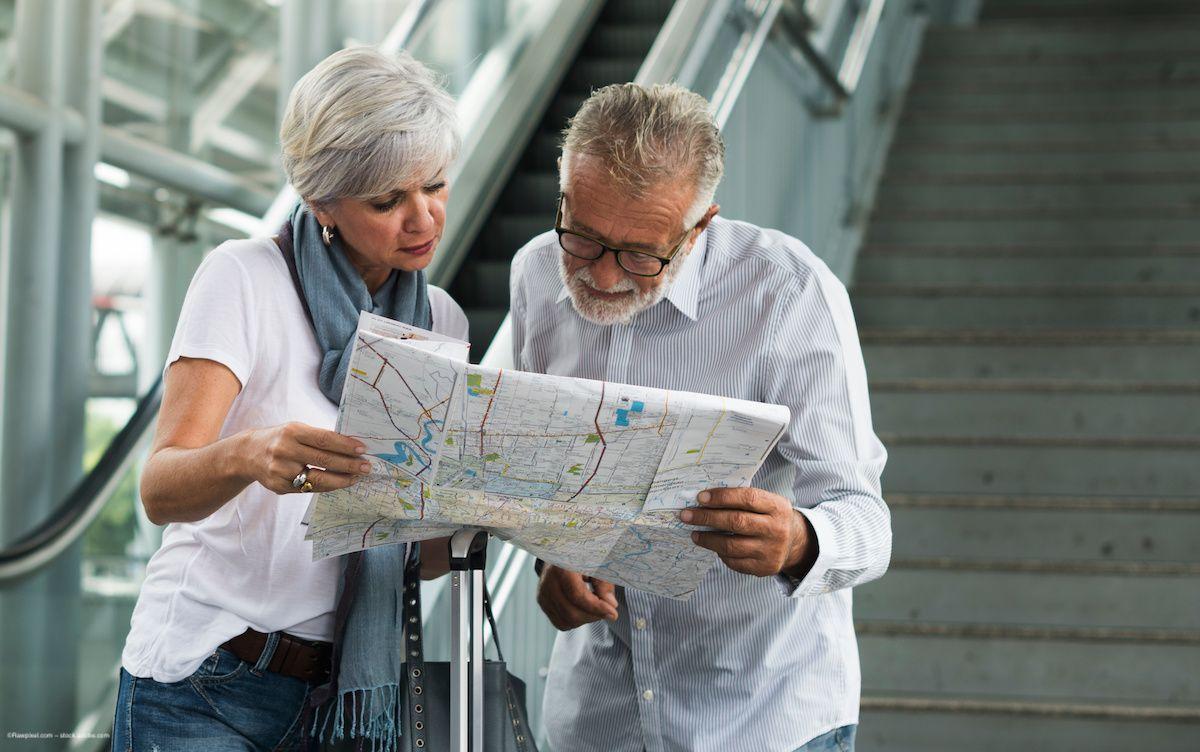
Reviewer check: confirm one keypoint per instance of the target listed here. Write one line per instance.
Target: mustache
(584, 275)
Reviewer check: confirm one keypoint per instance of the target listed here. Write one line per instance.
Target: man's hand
(572, 600)
(759, 532)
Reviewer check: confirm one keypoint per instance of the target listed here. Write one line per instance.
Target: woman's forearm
(185, 485)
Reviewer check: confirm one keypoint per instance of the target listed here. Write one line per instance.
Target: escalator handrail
(67, 523)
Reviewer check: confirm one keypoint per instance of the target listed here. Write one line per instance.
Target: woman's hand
(192, 471)
(278, 454)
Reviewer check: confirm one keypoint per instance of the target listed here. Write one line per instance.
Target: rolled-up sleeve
(815, 367)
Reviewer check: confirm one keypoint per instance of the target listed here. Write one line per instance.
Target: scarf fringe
(381, 727)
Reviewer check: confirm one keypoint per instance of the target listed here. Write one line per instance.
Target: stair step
(1037, 414)
(1037, 250)
(1043, 503)
(636, 11)
(1111, 635)
(1160, 38)
(543, 152)
(1026, 214)
(940, 186)
(958, 131)
(1143, 361)
(563, 108)
(1023, 60)
(1033, 74)
(593, 72)
(1075, 467)
(505, 234)
(530, 189)
(1019, 338)
(484, 283)
(1160, 95)
(1142, 167)
(1013, 306)
(1001, 534)
(1084, 9)
(1069, 441)
(620, 40)
(1043, 114)
(1049, 147)
(942, 723)
(1124, 228)
(1045, 669)
(960, 271)
(1031, 598)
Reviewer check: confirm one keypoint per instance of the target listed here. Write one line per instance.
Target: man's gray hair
(647, 136)
(363, 124)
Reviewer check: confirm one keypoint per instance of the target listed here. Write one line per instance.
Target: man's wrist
(803, 551)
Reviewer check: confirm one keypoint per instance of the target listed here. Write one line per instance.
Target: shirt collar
(685, 291)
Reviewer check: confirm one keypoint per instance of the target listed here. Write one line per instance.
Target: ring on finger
(307, 485)
(300, 479)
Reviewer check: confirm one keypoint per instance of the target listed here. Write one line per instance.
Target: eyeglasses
(635, 262)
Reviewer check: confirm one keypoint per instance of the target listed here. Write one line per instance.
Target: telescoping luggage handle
(468, 558)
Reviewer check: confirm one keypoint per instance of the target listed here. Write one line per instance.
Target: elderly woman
(232, 638)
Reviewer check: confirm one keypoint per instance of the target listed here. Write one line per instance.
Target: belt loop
(268, 652)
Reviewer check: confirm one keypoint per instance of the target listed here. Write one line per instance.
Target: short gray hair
(362, 124)
(647, 136)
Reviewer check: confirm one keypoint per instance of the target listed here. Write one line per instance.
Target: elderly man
(641, 282)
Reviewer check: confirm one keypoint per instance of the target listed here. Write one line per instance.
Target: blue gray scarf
(362, 696)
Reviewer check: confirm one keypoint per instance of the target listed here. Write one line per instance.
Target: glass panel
(459, 32)
(8, 17)
(199, 77)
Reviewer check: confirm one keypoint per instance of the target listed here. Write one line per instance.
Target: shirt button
(641, 624)
(648, 695)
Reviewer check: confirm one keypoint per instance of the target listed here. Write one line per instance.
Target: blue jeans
(838, 740)
(226, 705)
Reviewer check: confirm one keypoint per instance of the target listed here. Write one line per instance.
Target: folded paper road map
(587, 475)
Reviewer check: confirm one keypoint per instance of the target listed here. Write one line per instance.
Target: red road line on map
(482, 423)
(388, 363)
(603, 445)
(369, 528)
(392, 420)
(429, 413)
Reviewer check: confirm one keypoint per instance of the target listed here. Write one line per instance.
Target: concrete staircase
(1029, 305)
(612, 53)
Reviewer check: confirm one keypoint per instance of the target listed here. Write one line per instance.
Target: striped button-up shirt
(747, 663)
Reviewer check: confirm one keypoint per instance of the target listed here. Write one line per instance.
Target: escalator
(612, 52)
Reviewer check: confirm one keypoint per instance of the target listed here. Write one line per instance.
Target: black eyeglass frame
(662, 261)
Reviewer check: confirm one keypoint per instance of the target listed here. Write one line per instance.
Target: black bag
(426, 687)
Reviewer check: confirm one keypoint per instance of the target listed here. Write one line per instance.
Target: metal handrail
(729, 89)
(842, 82)
(67, 523)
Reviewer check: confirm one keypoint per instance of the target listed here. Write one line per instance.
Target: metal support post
(40, 616)
(468, 558)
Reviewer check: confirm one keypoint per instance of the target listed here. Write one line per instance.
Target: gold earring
(327, 235)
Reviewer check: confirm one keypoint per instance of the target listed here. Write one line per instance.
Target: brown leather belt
(303, 659)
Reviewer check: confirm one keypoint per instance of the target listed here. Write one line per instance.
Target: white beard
(623, 310)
